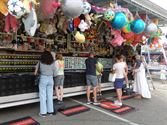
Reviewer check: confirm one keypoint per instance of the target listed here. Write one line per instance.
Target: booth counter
(18, 82)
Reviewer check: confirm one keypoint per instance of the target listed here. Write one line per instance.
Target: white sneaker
(89, 102)
(96, 103)
(118, 103)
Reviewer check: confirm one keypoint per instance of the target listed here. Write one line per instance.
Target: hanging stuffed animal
(10, 22)
(3, 7)
(118, 40)
(48, 8)
(50, 29)
(62, 24)
(83, 26)
(28, 5)
(30, 23)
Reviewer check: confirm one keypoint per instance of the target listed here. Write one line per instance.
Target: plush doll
(80, 38)
(62, 24)
(3, 7)
(30, 23)
(83, 26)
(50, 29)
(118, 40)
(11, 22)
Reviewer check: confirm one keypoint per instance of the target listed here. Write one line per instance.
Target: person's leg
(99, 84)
(61, 88)
(119, 94)
(57, 93)
(95, 94)
(42, 95)
(50, 95)
(61, 93)
(56, 80)
(94, 84)
(88, 93)
(88, 88)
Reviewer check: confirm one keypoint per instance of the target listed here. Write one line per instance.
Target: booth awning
(150, 8)
(142, 6)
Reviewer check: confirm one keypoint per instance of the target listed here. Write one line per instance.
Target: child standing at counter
(59, 78)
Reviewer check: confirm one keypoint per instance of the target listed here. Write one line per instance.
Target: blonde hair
(59, 56)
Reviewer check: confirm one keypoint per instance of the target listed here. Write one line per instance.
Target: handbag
(111, 77)
(37, 77)
(37, 80)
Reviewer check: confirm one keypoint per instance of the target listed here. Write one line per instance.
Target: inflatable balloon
(126, 28)
(109, 15)
(80, 38)
(16, 8)
(86, 8)
(151, 28)
(138, 26)
(72, 8)
(3, 7)
(119, 21)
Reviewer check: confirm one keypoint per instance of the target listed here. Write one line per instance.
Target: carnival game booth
(71, 27)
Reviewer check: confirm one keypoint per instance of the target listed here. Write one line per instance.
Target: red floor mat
(125, 97)
(110, 106)
(75, 110)
(22, 121)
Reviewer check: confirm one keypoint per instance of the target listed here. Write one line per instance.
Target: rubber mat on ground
(69, 111)
(22, 121)
(125, 97)
(110, 106)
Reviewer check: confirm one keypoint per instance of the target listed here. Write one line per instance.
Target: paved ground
(148, 112)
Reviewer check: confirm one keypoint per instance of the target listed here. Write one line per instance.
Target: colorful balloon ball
(138, 26)
(86, 8)
(126, 28)
(109, 15)
(72, 8)
(119, 21)
(16, 8)
(151, 28)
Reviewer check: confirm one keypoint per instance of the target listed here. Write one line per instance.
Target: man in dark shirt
(91, 78)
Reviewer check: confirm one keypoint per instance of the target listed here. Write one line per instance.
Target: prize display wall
(17, 68)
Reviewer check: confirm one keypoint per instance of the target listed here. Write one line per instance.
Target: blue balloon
(119, 21)
(138, 26)
(71, 26)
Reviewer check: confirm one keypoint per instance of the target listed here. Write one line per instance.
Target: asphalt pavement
(148, 111)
